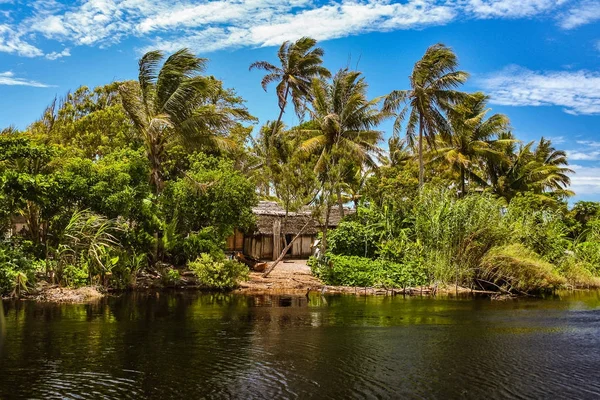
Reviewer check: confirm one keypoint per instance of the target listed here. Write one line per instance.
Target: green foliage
(218, 273)
(166, 170)
(75, 275)
(360, 271)
(211, 194)
(538, 227)
(16, 267)
(204, 241)
(171, 277)
(579, 274)
(352, 238)
(514, 268)
(457, 233)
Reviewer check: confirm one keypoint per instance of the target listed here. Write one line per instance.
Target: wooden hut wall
(259, 246)
(235, 242)
(301, 248)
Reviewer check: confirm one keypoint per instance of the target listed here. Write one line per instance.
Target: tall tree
(542, 170)
(473, 140)
(433, 84)
(345, 131)
(177, 103)
(300, 62)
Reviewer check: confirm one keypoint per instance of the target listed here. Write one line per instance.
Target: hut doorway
(288, 239)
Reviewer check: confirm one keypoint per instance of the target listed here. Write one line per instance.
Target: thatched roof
(268, 212)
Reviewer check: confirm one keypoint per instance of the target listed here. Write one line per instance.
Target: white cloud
(590, 143)
(578, 92)
(582, 155)
(11, 42)
(8, 78)
(583, 13)
(586, 180)
(56, 55)
(557, 139)
(511, 8)
(218, 24)
(270, 26)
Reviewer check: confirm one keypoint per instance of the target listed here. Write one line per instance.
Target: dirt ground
(288, 276)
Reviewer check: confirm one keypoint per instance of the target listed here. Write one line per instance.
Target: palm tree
(269, 148)
(345, 130)
(176, 102)
(542, 171)
(474, 138)
(300, 63)
(433, 82)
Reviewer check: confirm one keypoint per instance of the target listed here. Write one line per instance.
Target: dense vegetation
(143, 177)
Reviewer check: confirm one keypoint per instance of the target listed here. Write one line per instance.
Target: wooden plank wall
(261, 246)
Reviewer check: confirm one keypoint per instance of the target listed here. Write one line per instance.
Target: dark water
(232, 346)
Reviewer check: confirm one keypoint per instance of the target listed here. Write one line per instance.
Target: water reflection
(182, 345)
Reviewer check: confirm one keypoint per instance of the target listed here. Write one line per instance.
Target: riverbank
(57, 294)
(291, 277)
(295, 277)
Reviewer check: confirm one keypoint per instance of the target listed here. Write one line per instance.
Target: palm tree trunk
(462, 181)
(287, 90)
(421, 168)
(340, 202)
(325, 227)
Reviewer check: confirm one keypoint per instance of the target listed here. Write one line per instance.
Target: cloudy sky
(538, 59)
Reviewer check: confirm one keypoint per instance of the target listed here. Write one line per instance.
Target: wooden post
(276, 238)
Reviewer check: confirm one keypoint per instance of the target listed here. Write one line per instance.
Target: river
(190, 345)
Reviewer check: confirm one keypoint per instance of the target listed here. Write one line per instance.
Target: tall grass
(457, 233)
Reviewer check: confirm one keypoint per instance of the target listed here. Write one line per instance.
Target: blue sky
(538, 59)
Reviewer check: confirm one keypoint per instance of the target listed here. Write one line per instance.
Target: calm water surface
(234, 346)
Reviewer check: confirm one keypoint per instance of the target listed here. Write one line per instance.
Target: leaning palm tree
(433, 82)
(345, 131)
(176, 103)
(474, 139)
(542, 171)
(300, 62)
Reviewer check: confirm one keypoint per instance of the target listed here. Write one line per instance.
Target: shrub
(538, 227)
(171, 277)
(352, 238)
(516, 268)
(578, 274)
(218, 273)
(361, 271)
(75, 275)
(204, 241)
(589, 254)
(16, 268)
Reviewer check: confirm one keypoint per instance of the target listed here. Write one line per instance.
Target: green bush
(16, 268)
(204, 241)
(75, 275)
(352, 238)
(539, 228)
(362, 272)
(171, 277)
(218, 273)
(589, 253)
(577, 273)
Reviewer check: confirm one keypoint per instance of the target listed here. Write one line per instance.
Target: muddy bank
(56, 294)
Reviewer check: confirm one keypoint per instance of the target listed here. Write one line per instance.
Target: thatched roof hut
(268, 212)
(274, 228)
